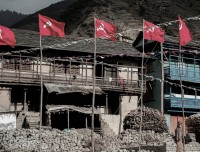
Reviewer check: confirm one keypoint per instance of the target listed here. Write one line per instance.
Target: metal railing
(176, 102)
(186, 74)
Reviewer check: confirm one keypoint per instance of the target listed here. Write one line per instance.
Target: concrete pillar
(5, 97)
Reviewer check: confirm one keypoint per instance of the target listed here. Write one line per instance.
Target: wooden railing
(26, 70)
(106, 83)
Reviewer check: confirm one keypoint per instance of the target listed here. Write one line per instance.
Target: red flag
(7, 37)
(184, 33)
(50, 27)
(105, 29)
(153, 32)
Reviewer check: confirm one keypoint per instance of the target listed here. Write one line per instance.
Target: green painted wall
(156, 104)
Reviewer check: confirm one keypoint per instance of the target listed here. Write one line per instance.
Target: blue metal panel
(190, 71)
(175, 102)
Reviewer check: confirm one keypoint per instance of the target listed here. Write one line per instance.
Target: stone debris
(26, 140)
(152, 120)
(79, 140)
(193, 125)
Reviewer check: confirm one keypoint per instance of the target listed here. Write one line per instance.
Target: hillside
(126, 14)
(8, 18)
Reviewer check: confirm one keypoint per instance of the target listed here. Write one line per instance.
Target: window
(16, 66)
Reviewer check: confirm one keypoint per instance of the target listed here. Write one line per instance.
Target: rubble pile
(130, 138)
(193, 125)
(79, 140)
(52, 140)
(151, 118)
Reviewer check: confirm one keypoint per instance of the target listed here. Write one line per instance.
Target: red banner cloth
(184, 33)
(50, 27)
(105, 30)
(153, 32)
(7, 37)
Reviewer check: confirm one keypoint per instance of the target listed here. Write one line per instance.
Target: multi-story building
(186, 69)
(67, 71)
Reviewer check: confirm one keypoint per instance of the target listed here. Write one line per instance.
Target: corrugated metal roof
(59, 108)
(62, 89)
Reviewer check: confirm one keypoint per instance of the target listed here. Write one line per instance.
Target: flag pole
(162, 82)
(94, 83)
(41, 93)
(142, 73)
(182, 95)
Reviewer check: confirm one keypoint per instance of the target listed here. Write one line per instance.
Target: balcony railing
(33, 78)
(176, 102)
(192, 75)
(17, 71)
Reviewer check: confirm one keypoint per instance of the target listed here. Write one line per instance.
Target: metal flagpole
(41, 93)
(162, 82)
(142, 79)
(94, 83)
(182, 96)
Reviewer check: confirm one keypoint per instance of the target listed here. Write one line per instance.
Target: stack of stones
(193, 125)
(79, 140)
(26, 140)
(130, 138)
(152, 120)
(32, 120)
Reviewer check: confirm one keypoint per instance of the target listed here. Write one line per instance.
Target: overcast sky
(25, 6)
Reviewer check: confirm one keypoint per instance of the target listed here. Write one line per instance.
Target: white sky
(25, 6)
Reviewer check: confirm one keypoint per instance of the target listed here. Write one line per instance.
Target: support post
(41, 94)
(94, 84)
(86, 123)
(2, 66)
(106, 104)
(102, 77)
(86, 72)
(162, 82)
(182, 94)
(142, 79)
(120, 114)
(25, 91)
(70, 66)
(68, 119)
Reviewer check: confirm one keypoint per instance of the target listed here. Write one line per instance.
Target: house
(189, 66)
(67, 70)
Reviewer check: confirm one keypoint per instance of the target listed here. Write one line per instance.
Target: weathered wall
(5, 97)
(45, 67)
(128, 103)
(110, 122)
(156, 72)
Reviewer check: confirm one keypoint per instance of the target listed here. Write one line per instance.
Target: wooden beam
(86, 122)
(70, 64)
(106, 104)
(68, 119)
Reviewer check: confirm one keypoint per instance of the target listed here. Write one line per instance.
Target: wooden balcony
(25, 70)
(105, 83)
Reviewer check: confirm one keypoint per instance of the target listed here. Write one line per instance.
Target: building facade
(186, 68)
(67, 72)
